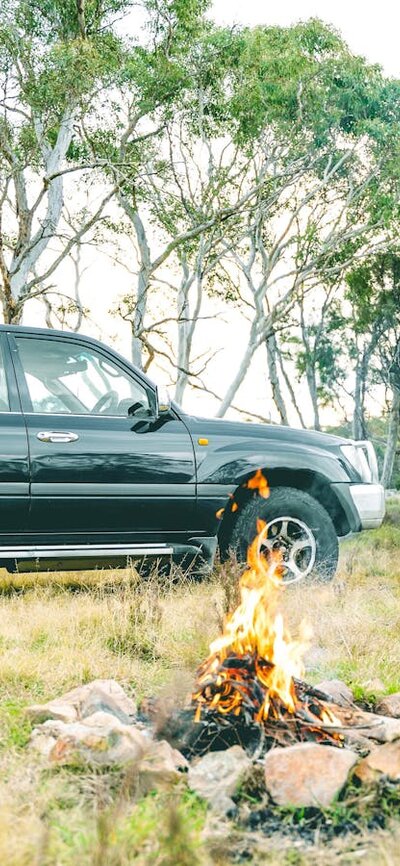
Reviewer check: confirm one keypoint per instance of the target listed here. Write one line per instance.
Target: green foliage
(374, 292)
(57, 20)
(52, 69)
(305, 77)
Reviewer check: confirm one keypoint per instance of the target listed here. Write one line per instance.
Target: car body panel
(14, 457)
(120, 475)
(236, 450)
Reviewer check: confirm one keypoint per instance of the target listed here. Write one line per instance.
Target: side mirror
(163, 401)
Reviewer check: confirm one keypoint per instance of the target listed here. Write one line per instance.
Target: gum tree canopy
(273, 168)
(60, 61)
(54, 54)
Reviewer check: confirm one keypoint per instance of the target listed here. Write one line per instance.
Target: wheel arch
(311, 482)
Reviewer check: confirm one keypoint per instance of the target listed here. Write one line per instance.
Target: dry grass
(150, 636)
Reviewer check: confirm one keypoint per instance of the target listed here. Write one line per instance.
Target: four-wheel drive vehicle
(97, 466)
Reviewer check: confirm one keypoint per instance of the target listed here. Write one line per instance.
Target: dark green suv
(97, 466)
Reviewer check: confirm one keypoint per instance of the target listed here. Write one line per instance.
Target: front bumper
(369, 501)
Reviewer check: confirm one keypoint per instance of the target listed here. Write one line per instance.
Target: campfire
(250, 691)
(252, 679)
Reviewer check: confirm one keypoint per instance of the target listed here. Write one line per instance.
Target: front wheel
(296, 525)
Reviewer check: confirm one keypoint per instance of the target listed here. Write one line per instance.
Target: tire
(297, 525)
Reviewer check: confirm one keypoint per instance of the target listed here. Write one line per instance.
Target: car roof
(26, 329)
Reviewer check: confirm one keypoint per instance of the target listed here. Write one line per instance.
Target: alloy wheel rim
(296, 543)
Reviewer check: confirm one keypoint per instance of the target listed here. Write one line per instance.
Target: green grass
(57, 631)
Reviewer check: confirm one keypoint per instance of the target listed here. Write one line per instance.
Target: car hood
(270, 432)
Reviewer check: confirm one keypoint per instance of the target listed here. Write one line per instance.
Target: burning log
(234, 695)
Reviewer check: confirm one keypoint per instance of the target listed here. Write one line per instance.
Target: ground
(61, 630)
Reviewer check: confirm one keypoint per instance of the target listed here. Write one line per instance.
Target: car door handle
(56, 436)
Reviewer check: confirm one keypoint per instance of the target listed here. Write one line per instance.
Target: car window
(65, 378)
(4, 401)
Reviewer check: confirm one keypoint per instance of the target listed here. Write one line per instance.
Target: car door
(14, 462)
(103, 467)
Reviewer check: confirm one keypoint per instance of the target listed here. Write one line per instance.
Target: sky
(370, 28)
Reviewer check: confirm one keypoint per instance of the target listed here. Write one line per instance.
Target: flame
(258, 482)
(256, 628)
(255, 662)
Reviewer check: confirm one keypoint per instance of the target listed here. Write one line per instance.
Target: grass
(57, 631)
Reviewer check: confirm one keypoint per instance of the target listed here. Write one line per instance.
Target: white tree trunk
(274, 378)
(358, 416)
(392, 440)
(184, 346)
(312, 387)
(26, 257)
(143, 280)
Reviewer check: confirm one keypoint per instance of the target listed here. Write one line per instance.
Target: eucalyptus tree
(313, 347)
(180, 175)
(293, 237)
(328, 123)
(56, 56)
(183, 213)
(195, 206)
(133, 149)
(372, 339)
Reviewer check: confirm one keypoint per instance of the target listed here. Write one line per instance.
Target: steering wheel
(108, 403)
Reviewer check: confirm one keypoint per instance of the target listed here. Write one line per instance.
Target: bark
(188, 318)
(30, 246)
(80, 8)
(310, 367)
(143, 280)
(360, 388)
(312, 387)
(11, 313)
(77, 293)
(392, 440)
(137, 322)
(359, 426)
(274, 378)
(290, 389)
(183, 351)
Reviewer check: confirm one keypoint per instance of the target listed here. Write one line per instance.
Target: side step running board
(84, 550)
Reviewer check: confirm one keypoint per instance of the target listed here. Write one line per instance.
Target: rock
(99, 740)
(307, 774)
(382, 729)
(217, 775)
(390, 706)
(382, 761)
(57, 710)
(160, 767)
(337, 691)
(98, 696)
